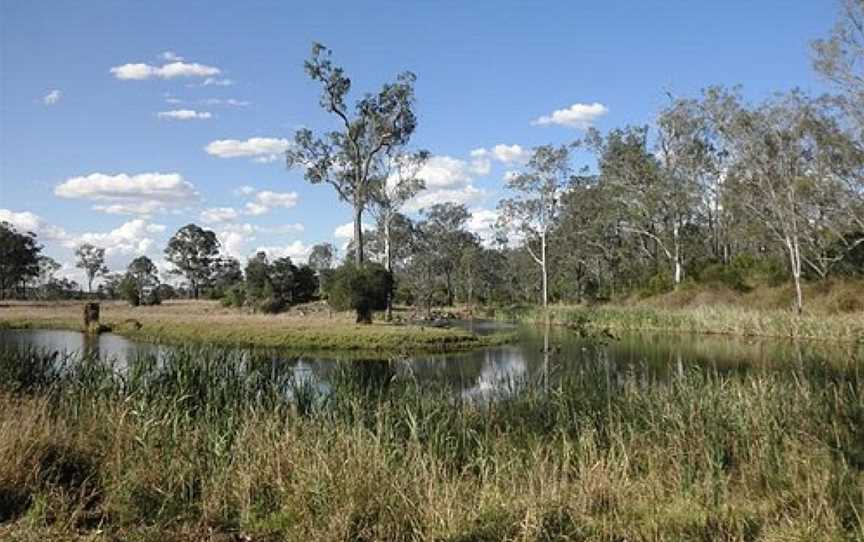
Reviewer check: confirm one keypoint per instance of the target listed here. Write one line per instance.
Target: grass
(207, 445)
(835, 312)
(205, 322)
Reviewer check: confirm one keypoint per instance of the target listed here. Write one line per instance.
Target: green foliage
(363, 289)
(19, 256)
(235, 296)
(128, 290)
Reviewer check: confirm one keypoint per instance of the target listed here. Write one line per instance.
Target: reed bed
(210, 444)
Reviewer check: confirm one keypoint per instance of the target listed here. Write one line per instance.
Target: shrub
(362, 289)
(235, 296)
(128, 289)
(732, 276)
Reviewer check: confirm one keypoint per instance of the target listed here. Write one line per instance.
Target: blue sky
(85, 155)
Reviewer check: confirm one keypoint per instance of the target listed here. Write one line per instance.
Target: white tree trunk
(676, 241)
(543, 269)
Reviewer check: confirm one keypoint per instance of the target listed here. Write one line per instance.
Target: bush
(732, 276)
(235, 296)
(362, 289)
(128, 289)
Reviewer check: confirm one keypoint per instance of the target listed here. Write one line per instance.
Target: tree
(779, 170)
(19, 257)
(349, 158)
(193, 250)
(537, 202)
(389, 196)
(144, 276)
(321, 257)
(92, 260)
(839, 59)
(444, 237)
(226, 273)
(363, 289)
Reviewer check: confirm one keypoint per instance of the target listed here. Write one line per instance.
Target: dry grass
(182, 322)
(834, 312)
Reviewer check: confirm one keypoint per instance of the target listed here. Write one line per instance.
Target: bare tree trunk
(358, 234)
(388, 266)
(676, 240)
(543, 269)
(793, 246)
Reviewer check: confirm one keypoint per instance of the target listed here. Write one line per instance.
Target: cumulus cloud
(346, 231)
(175, 67)
(297, 251)
(171, 56)
(482, 223)
(506, 154)
(450, 179)
(52, 97)
(219, 214)
(260, 149)
(143, 193)
(266, 200)
(578, 115)
(236, 239)
(244, 190)
(184, 114)
(131, 238)
(466, 195)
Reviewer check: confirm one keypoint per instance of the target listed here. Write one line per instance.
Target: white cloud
(277, 199)
(236, 238)
(466, 195)
(266, 200)
(184, 114)
(505, 154)
(450, 179)
(256, 209)
(578, 115)
(25, 220)
(131, 238)
(297, 251)
(215, 81)
(482, 222)
(261, 149)
(228, 102)
(52, 97)
(171, 70)
(346, 231)
(244, 190)
(171, 56)
(219, 214)
(143, 193)
(172, 100)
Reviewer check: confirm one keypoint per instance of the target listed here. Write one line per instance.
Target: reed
(206, 443)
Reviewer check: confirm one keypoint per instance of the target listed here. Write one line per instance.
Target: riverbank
(207, 322)
(835, 313)
(200, 446)
(716, 320)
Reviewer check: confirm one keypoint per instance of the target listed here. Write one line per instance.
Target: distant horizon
(122, 122)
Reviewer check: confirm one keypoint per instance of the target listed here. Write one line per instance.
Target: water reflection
(541, 355)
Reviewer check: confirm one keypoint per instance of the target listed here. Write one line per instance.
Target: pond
(539, 355)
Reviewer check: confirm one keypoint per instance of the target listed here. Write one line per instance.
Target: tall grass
(205, 442)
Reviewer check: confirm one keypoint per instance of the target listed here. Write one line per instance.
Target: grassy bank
(835, 312)
(206, 322)
(206, 447)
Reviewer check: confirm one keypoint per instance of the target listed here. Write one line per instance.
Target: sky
(122, 121)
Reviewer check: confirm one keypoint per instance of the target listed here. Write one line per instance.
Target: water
(539, 355)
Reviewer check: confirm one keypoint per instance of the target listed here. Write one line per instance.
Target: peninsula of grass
(207, 323)
(835, 313)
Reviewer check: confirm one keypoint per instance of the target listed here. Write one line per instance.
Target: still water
(540, 355)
